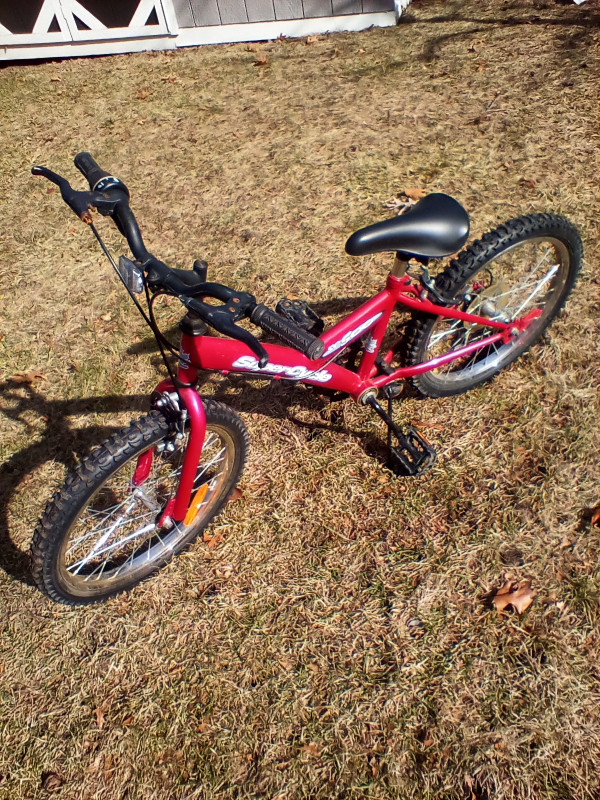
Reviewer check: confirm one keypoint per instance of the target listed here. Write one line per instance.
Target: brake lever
(79, 202)
(219, 318)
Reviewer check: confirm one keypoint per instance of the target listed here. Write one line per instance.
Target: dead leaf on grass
(27, 377)
(520, 596)
(312, 39)
(312, 749)
(415, 194)
(261, 60)
(142, 94)
(99, 718)
(212, 541)
(51, 781)
(595, 518)
(237, 494)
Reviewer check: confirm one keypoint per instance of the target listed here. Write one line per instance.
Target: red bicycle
(148, 491)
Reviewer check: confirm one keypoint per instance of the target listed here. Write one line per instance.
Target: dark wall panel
(347, 6)
(317, 8)
(232, 11)
(260, 10)
(288, 9)
(206, 12)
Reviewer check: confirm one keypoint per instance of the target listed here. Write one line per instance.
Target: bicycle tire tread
(473, 258)
(115, 451)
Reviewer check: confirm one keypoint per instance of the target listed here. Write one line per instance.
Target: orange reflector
(195, 504)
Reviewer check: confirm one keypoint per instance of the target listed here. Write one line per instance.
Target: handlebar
(90, 169)
(110, 197)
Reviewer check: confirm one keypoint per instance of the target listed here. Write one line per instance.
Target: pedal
(413, 455)
(299, 312)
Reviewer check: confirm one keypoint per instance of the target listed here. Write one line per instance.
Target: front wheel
(529, 264)
(108, 527)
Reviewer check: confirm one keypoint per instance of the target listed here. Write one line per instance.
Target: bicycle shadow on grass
(59, 441)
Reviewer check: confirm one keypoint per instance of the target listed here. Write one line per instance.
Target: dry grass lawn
(338, 642)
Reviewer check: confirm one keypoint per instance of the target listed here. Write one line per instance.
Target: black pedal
(413, 455)
(299, 312)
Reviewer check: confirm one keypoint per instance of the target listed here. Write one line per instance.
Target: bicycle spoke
(538, 289)
(111, 547)
(94, 532)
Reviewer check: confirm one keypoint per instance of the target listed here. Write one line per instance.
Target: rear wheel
(529, 264)
(108, 527)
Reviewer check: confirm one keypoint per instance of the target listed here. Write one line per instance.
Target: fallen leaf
(107, 317)
(27, 377)
(51, 782)
(99, 718)
(520, 596)
(213, 541)
(312, 749)
(142, 94)
(527, 182)
(55, 79)
(595, 519)
(415, 194)
(312, 39)
(237, 494)
(261, 60)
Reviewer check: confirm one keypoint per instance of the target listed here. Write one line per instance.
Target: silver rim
(116, 538)
(529, 275)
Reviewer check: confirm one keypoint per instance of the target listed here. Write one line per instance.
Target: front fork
(178, 506)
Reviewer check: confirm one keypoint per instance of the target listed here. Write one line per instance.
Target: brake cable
(148, 318)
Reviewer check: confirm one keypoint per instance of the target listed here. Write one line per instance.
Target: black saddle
(436, 226)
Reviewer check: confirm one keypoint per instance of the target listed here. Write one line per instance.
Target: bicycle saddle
(436, 226)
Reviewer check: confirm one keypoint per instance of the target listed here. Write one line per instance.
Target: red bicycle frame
(228, 355)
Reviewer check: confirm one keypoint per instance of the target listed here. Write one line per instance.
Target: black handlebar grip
(89, 169)
(289, 333)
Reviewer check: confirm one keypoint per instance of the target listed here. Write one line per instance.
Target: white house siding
(63, 28)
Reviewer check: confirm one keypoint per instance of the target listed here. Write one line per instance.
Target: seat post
(400, 266)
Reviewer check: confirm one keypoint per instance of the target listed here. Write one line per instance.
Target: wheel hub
(490, 302)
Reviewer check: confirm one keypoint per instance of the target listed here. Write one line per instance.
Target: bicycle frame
(227, 355)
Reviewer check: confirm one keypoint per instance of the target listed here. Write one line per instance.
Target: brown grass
(339, 642)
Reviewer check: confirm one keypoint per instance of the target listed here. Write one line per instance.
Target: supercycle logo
(348, 337)
(185, 360)
(295, 373)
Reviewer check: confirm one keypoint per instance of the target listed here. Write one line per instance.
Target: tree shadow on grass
(580, 21)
